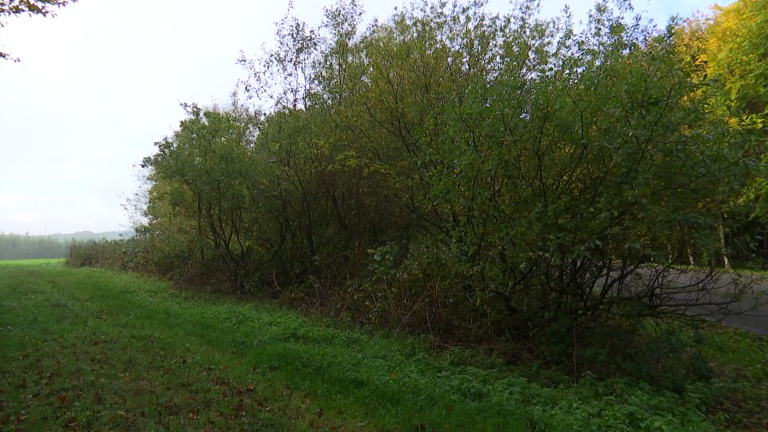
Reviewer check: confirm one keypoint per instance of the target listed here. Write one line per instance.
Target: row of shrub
(481, 177)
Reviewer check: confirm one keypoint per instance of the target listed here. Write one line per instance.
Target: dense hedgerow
(482, 177)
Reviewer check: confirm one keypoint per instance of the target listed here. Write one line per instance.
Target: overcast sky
(101, 82)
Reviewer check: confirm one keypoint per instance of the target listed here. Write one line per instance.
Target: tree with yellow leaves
(737, 54)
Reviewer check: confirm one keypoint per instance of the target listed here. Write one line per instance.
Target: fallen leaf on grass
(320, 413)
(95, 343)
(250, 388)
(307, 401)
(62, 399)
(194, 415)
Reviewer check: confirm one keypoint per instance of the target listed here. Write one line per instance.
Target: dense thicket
(480, 176)
(18, 246)
(730, 45)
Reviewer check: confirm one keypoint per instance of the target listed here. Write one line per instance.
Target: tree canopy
(737, 53)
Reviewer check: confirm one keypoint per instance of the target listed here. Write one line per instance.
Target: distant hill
(88, 235)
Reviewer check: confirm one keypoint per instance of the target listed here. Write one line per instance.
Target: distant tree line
(18, 246)
(481, 177)
(25, 246)
(89, 235)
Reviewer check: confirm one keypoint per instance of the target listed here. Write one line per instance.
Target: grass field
(31, 262)
(89, 350)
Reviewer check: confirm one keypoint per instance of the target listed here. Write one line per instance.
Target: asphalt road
(749, 314)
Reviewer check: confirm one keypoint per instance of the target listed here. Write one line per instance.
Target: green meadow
(92, 350)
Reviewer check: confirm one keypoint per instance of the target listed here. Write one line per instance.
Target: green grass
(91, 350)
(32, 262)
(742, 359)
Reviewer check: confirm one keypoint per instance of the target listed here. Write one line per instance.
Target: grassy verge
(741, 359)
(86, 349)
(32, 262)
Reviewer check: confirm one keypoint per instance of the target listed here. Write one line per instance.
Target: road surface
(749, 315)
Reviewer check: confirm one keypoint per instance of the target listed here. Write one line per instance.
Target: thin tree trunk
(726, 261)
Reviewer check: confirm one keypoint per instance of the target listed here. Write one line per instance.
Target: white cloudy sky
(100, 83)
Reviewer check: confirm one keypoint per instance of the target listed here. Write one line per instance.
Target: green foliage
(20, 247)
(742, 384)
(727, 47)
(668, 361)
(123, 255)
(737, 54)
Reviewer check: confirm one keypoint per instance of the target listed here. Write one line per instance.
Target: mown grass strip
(32, 262)
(93, 350)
